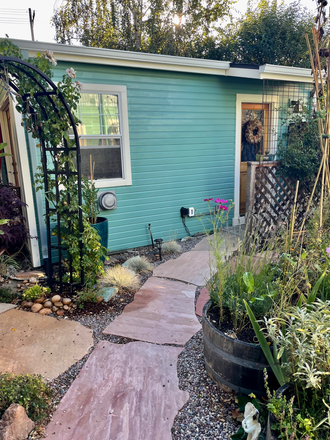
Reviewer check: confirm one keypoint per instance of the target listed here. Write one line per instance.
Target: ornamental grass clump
(121, 278)
(138, 264)
(171, 247)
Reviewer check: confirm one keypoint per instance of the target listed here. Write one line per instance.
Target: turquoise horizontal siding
(182, 140)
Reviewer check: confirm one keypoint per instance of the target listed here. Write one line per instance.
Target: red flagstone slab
(203, 298)
(190, 267)
(36, 344)
(162, 312)
(124, 392)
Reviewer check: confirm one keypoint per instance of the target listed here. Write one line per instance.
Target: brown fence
(270, 198)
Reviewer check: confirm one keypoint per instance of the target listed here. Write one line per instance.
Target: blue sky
(15, 22)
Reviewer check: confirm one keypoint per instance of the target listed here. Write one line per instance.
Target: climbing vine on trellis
(48, 115)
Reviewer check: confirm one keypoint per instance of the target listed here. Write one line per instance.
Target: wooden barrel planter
(234, 363)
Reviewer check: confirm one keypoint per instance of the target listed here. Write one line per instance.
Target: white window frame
(121, 91)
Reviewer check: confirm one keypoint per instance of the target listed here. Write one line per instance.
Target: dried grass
(122, 278)
(138, 264)
(171, 247)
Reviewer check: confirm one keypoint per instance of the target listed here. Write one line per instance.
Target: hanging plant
(254, 131)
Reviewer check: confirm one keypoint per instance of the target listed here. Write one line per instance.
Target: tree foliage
(173, 27)
(269, 33)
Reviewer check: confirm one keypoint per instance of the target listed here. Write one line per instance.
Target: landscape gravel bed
(207, 414)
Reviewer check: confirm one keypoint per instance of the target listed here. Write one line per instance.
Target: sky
(14, 21)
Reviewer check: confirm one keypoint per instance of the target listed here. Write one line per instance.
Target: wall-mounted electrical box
(107, 200)
(191, 212)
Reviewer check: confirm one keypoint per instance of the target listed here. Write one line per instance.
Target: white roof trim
(94, 55)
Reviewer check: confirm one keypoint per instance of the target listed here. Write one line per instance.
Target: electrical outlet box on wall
(191, 212)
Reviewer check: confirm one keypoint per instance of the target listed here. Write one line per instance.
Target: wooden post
(250, 184)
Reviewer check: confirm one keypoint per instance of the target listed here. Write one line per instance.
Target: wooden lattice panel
(274, 200)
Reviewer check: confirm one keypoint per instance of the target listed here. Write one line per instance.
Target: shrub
(86, 295)
(138, 264)
(6, 295)
(26, 390)
(35, 292)
(122, 278)
(171, 247)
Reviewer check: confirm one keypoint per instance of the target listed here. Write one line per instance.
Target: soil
(227, 327)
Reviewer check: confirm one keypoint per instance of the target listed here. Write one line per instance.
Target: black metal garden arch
(45, 90)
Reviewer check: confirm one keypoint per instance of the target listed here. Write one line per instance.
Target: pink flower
(207, 200)
(223, 201)
(217, 200)
(328, 251)
(225, 208)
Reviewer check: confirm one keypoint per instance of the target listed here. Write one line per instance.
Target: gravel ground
(207, 414)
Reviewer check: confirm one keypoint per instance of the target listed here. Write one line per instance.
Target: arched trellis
(45, 90)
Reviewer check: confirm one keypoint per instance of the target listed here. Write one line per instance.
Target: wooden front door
(251, 111)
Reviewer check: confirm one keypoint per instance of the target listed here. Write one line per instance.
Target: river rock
(55, 309)
(60, 312)
(15, 424)
(33, 280)
(27, 304)
(56, 298)
(45, 312)
(66, 307)
(36, 308)
(66, 301)
(40, 300)
(99, 298)
(48, 304)
(58, 304)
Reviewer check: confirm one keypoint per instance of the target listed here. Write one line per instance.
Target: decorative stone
(25, 281)
(15, 424)
(58, 304)
(40, 300)
(66, 301)
(45, 312)
(60, 312)
(250, 423)
(55, 309)
(99, 298)
(27, 304)
(108, 293)
(31, 274)
(48, 304)
(18, 285)
(33, 280)
(66, 307)
(56, 298)
(36, 308)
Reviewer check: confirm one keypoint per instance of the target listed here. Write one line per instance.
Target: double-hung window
(103, 133)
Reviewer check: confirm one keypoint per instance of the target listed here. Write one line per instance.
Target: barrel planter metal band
(234, 363)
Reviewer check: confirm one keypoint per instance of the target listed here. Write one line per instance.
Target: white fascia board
(243, 73)
(94, 55)
(285, 73)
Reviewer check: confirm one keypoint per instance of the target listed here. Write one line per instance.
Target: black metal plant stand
(45, 90)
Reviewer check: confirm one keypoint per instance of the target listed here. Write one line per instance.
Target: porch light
(158, 242)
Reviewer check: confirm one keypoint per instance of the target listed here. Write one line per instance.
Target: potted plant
(259, 157)
(266, 157)
(100, 224)
(232, 356)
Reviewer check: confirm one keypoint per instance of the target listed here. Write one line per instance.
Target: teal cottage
(165, 132)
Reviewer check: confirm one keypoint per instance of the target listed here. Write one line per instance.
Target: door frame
(241, 98)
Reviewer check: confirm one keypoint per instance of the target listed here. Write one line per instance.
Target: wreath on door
(254, 131)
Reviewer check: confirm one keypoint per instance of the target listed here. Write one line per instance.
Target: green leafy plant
(5, 261)
(88, 295)
(35, 292)
(26, 390)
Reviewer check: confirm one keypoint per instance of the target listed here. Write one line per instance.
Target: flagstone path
(130, 391)
(162, 312)
(124, 392)
(36, 344)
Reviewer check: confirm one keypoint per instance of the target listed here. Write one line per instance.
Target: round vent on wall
(107, 200)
